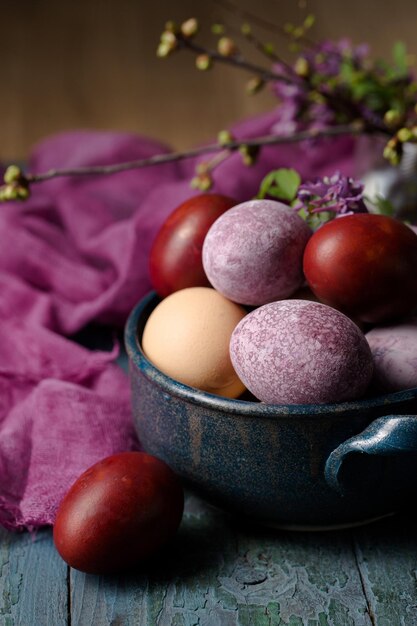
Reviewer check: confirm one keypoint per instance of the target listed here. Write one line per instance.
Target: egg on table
(119, 512)
(187, 337)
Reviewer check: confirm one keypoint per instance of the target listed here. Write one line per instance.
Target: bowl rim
(237, 406)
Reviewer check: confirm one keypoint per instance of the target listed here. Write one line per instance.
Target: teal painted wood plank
(33, 581)
(219, 573)
(387, 559)
(310, 579)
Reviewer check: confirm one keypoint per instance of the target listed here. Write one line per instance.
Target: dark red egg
(364, 265)
(175, 259)
(118, 513)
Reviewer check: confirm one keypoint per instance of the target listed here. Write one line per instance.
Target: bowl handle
(385, 436)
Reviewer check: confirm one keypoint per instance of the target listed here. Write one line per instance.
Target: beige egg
(187, 337)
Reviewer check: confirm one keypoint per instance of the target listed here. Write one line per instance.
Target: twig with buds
(17, 184)
(328, 84)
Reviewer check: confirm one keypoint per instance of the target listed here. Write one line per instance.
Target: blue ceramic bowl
(289, 465)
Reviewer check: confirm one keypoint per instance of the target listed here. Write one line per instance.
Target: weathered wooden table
(220, 572)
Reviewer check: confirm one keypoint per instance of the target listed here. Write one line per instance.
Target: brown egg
(118, 513)
(187, 337)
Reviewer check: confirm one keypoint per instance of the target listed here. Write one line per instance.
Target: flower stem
(159, 159)
(259, 21)
(236, 61)
(336, 101)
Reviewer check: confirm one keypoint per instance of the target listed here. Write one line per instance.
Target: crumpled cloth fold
(77, 252)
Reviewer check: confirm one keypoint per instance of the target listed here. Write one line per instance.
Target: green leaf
(282, 184)
(266, 184)
(288, 181)
(383, 206)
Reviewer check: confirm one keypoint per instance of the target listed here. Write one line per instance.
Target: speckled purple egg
(253, 253)
(301, 352)
(394, 349)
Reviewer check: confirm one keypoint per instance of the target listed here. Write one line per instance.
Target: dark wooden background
(91, 64)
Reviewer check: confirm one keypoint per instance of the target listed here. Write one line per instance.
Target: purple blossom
(336, 194)
(297, 110)
(326, 58)
(321, 116)
(293, 97)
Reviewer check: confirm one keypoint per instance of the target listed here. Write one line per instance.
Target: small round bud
(167, 44)
(301, 67)
(203, 182)
(246, 30)
(12, 174)
(169, 38)
(189, 28)
(163, 50)
(224, 137)
(391, 152)
(254, 85)
(203, 62)
(16, 188)
(392, 118)
(387, 152)
(226, 47)
(8, 192)
(249, 154)
(404, 134)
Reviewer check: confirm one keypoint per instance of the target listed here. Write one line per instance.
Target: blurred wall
(91, 64)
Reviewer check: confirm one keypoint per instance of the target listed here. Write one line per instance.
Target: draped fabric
(77, 252)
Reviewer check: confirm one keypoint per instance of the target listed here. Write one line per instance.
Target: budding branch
(234, 145)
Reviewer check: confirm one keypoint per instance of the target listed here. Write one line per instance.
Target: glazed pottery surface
(289, 465)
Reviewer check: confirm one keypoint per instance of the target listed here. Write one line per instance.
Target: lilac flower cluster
(325, 58)
(320, 66)
(336, 194)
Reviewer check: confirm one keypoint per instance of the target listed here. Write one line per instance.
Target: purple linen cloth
(77, 251)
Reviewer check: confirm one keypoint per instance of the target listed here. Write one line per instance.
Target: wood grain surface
(220, 572)
(92, 64)
(33, 582)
